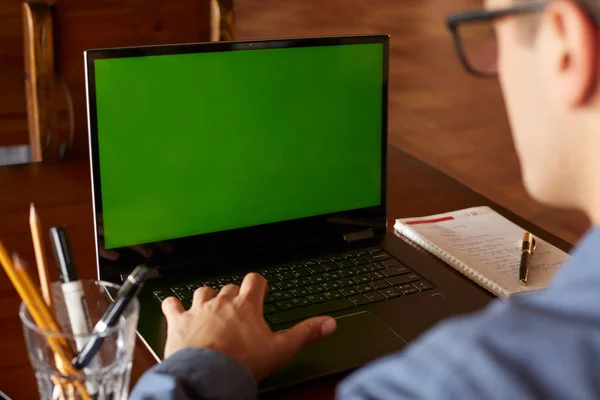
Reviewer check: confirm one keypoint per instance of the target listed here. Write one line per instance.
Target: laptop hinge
(152, 273)
(360, 235)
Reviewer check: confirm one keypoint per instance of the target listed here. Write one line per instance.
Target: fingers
(229, 291)
(171, 307)
(145, 251)
(254, 288)
(203, 294)
(111, 255)
(304, 333)
(164, 246)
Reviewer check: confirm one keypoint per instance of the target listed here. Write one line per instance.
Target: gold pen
(527, 249)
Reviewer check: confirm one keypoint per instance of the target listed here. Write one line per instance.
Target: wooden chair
(56, 33)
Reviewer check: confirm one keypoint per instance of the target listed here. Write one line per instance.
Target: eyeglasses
(475, 37)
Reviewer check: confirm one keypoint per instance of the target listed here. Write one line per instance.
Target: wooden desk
(62, 195)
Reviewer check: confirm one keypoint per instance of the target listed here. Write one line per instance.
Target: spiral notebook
(485, 247)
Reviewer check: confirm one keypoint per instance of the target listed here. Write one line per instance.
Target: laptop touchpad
(358, 339)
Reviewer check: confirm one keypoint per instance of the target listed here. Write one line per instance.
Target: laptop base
(364, 333)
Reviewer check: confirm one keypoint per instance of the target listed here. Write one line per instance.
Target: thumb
(171, 307)
(304, 333)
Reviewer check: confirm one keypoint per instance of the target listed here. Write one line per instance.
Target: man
(540, 345)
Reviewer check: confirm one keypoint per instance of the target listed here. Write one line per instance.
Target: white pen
(71, 285)
(73, 291)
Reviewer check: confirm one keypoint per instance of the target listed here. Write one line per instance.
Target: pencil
(40, 255)
(41, 315)
(34, 301)
(20, 269)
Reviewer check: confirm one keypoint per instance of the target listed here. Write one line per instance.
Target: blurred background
(438, 112)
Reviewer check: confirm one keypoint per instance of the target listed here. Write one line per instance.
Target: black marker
(129, 290)
(71, 285)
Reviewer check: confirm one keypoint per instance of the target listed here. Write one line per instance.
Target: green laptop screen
(198, 143)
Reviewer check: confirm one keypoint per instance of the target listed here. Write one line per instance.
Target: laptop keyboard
(320, 286)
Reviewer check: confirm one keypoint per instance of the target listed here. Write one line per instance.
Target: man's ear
(567, 40)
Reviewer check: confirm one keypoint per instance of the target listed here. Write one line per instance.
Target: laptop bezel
(277, 229)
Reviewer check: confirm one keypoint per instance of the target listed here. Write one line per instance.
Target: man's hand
(232, 323)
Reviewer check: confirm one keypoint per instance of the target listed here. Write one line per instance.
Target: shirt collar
(583, 268)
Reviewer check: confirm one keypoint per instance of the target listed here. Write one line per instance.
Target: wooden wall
(80, 25)
(13, 117)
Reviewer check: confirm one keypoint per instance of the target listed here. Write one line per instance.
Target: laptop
(216, 159)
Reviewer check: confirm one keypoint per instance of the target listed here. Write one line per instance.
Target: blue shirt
(543, 345)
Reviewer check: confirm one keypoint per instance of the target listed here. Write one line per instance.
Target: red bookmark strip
(429, 221)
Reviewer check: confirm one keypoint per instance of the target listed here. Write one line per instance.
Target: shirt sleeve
(513, 349)
(421, 371)
(196, 374)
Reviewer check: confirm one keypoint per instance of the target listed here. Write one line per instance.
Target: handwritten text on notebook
(487, 243)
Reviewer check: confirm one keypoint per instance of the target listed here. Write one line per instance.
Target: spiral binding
(454, 262)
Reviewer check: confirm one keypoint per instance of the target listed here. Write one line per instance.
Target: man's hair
(592, 7)
(530, 22)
